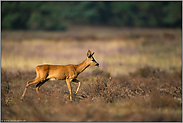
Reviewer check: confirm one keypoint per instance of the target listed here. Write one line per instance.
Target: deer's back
(58, 72)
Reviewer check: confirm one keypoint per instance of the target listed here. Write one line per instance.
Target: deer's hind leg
(41, 77)
(36, 80)
(39, 85)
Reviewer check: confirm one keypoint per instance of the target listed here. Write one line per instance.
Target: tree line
(57, 15)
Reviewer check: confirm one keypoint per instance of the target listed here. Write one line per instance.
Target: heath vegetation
(139, 78)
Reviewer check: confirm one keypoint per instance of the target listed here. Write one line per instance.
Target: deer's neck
(82, 66)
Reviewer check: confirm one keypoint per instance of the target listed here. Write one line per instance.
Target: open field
(119, 51)
(139, 78)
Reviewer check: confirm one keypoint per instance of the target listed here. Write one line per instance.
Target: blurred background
(137, 44)
(59, 15)
(38, 32)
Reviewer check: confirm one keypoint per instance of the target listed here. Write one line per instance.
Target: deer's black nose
(97, 64)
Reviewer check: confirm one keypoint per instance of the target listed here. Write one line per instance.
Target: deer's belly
(54, 77)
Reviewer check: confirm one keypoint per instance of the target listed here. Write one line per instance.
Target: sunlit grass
(117, 56)
(117, 63)
(163, 57)
(19, 63)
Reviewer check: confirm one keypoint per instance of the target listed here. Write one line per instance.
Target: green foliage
(57, 15)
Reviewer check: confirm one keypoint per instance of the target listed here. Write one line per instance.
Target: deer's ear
(89, 54)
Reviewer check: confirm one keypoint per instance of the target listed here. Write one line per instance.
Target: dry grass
(122, 51)
(139, 78)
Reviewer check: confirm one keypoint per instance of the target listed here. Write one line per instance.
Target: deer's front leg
(79, 84)
(68, 81)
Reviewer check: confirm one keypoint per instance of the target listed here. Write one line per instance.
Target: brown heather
(102, 98)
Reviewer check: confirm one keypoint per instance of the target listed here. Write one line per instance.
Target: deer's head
(91, 59)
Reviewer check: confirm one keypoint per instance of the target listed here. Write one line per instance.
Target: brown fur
(61, 72)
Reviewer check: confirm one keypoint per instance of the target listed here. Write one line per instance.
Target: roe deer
(61, 72)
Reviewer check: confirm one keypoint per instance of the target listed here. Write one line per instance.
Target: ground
(139, 78)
